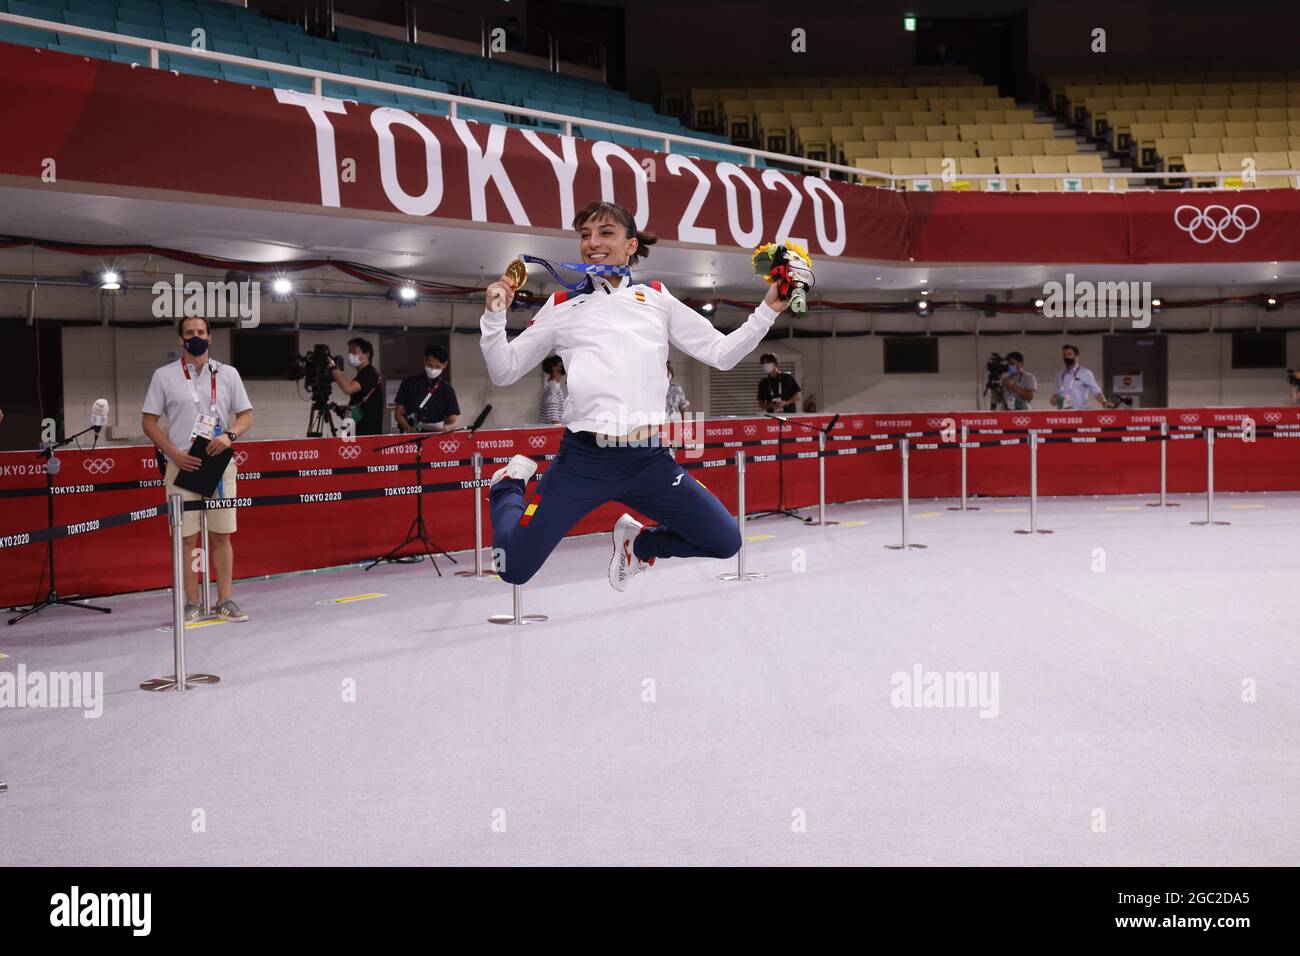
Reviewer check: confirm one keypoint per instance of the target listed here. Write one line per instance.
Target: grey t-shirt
(170, 396)
(1024, 380)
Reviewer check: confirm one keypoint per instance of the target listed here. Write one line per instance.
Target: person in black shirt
(366, 404)
(777, 390)
(427, 402)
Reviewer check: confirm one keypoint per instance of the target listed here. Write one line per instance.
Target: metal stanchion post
(1209, 481)
(964, 506)
(821, 480)
(906, 545)
(205, 559)
(741, 574)
(1164, 447)
(180, 679)
(1033, 487)
(478, 524)
(517, 616)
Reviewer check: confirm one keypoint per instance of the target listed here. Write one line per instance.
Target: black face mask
(196, 346)
(1069, 362)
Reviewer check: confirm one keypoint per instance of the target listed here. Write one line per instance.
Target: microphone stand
(417, 531)
(52, 596)
(780, 508)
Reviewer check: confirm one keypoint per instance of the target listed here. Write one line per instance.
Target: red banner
(109, 126)
(323, 533)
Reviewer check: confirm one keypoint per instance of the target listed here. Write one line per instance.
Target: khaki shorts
(222, 520)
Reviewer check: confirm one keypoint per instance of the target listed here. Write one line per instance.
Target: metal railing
(568, 121)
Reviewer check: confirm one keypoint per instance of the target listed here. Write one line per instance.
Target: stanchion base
(747, 576)
(967, 508)
(904, 547)
(1204, 523)
(523, 619)
(1167, 504)
(169, 683)
(822, 524)
(1034, 531)
(471, 574)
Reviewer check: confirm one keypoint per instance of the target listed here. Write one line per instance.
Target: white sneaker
(520, 467)
(625, 565)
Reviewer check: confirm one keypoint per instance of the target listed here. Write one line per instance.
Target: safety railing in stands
(567, 121)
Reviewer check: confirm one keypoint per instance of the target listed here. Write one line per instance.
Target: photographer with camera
(366, 406)
(1018, 386)
(427, 402)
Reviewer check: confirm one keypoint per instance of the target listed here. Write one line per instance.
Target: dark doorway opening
(984, 45)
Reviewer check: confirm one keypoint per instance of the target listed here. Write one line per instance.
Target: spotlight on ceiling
(1157, 302)
(281, 289)
(404, 295)
(1271, 304)
(1038, 304)
(107, 281)
(922, 307)
(708, 308)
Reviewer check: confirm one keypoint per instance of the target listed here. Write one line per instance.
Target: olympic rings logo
(98, 466)
(1272, 416)
(934, 422)
(1106, 419)
(537, 441)
(1190, 418)
(1021, 420)
(349, 451)
(1216, 222)
(857, 423)
(240, 458)
(449, 444)
(751, 429)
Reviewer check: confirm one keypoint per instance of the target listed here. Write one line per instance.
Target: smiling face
(605, 242)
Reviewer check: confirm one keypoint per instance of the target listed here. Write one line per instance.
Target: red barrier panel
(278, 538)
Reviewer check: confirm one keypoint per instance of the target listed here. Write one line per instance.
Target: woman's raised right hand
(500, 294)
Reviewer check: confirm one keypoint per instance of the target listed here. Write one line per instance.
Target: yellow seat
(1059, 147)
(1202, 163)
(1026, 147)
(968, 166)
(958, 148)
(1087, 163)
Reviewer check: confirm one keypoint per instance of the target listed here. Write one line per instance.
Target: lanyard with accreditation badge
(212, 377)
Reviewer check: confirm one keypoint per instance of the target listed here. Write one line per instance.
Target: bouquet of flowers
(789, 266)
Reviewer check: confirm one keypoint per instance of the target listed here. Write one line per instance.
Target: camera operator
(777, 390)
(427, 402)
(1074, 383)
(1018, 386)
(366, 406)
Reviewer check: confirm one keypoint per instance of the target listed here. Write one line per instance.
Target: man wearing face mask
(427, 402)
(777, 390)
(366, 405)
(550, 410)
(1018, 386)
(200, 396)
(1074, 383)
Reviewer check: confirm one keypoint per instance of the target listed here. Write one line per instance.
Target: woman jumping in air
(612, 336)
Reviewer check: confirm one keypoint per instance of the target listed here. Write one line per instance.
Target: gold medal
(517, 273)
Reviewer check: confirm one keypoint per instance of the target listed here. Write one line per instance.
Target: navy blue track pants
(691, 522)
